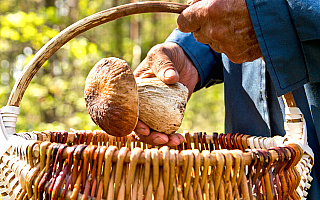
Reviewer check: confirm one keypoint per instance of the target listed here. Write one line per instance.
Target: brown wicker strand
(135, 154)
(107, 169)
(165, 169)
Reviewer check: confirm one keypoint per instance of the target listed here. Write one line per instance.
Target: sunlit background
(54, 99)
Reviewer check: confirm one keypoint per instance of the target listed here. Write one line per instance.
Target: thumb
(162, 66)
(191, 18)
(168, 75)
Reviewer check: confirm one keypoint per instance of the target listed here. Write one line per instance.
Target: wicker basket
(94, 165)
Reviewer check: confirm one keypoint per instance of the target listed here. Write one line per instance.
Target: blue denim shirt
(252, 102)
(288, 32)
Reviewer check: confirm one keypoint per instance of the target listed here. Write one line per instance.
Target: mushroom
(161, 106)
(111, 96)
(115, 99)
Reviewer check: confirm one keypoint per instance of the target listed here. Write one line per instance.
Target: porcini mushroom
(111, 96)
(114, 99)
(161, 106)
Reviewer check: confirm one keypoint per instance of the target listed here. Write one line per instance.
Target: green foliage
(205, 111)
(54, 98)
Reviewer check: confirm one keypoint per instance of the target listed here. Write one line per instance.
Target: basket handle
(292, 109)
(79, 27)
(289, 100)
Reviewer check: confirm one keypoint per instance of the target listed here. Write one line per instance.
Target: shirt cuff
(207, 62)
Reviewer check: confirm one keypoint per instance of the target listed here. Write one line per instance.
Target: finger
(181, 138)
(191, 18)
(143, 70)
(142, 128)
(168, 75)
(161, 65)
(154, 138)
(175, 139)
(142, 67)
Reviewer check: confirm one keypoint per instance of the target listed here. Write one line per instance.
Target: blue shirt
(288, 33)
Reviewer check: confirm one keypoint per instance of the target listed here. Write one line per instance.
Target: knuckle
(216, 47)
(200, 37)
(158, 58)
(154, 50)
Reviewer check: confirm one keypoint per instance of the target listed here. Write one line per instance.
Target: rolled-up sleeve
(207, 62)
(288, 32)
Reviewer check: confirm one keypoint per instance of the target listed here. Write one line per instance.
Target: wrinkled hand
(223, 24)
(169, 63)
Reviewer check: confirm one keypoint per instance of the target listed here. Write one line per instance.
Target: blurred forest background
(54, 99)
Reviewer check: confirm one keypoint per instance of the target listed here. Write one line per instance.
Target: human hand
(223, 24)
(170, 64)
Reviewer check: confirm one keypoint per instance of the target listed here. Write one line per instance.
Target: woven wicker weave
(94, 165)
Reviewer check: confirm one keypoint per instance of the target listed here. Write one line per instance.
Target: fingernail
(159, 140)
(169, 74)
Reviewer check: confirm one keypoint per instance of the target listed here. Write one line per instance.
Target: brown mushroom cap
(111, 96)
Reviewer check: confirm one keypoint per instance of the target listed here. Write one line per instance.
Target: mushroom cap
(111, 96)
